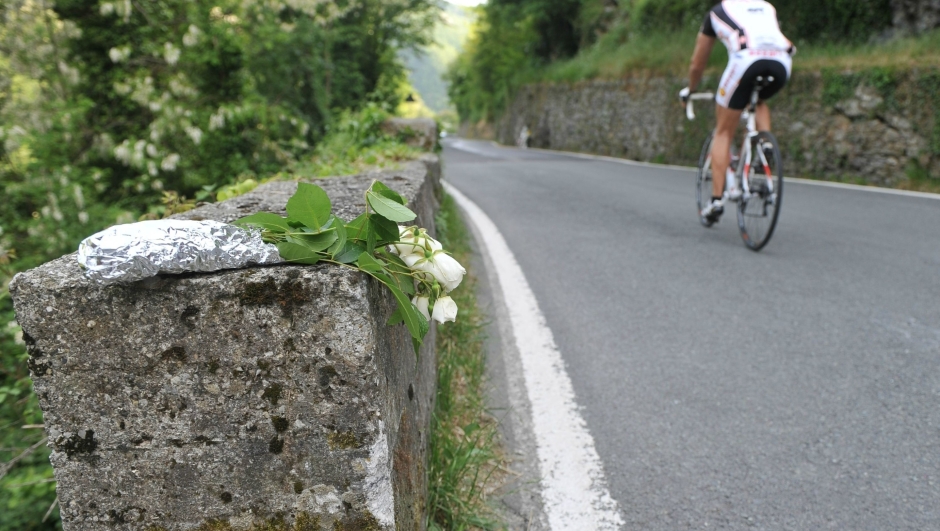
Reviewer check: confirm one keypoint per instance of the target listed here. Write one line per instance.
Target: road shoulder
(519, 500)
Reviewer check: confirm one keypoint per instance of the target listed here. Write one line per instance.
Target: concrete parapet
(272, 396)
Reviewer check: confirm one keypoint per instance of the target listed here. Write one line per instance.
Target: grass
(619, 54)
(465, 459)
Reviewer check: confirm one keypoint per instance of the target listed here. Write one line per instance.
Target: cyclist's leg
(730, 102)
(762, 116)
(779, 69)
(721, 146)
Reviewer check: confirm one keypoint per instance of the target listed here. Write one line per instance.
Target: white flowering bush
(109, 106)
(406, 259)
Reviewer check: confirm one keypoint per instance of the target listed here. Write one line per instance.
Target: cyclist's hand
(684, 95)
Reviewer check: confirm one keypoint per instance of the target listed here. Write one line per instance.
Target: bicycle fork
(748, 147)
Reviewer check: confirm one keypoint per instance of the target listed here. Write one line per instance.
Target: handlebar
(689, 113)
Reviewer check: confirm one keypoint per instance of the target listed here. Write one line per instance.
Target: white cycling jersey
(750, 31)
(746, 24)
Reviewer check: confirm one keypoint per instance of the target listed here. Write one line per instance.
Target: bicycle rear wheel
(758, 212)
(703, 185)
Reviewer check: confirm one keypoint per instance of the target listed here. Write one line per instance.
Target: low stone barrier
(264, 398)
(878, 124)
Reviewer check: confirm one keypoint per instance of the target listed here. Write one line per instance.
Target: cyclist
(756, 47)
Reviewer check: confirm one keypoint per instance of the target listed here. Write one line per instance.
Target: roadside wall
(268, 398)
(879, 125)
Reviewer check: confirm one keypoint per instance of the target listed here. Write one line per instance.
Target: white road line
(574, 490)
(812, 182)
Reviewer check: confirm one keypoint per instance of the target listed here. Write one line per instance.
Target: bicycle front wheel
(759, 209)
(703, 185)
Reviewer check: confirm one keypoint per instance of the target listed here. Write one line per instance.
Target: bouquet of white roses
(411, 263)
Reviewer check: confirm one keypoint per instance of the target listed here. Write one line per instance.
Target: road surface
(795, 388)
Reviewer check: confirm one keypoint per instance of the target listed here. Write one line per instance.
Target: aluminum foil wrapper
(127, 253)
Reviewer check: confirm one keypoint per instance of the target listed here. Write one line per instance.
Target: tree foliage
(106, 105)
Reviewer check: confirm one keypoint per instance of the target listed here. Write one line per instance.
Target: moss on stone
(305, 522)
(215, 525)
(302, 522)
(342, 440)
(276, 445)
(364, 522)
(280, 424)
(273, 393)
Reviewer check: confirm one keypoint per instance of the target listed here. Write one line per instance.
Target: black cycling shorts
(762, 67)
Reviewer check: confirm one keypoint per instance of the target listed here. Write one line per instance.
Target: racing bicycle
(759, 169)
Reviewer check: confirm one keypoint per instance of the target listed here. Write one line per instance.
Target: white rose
(445, 309)
(440, 265)
(419, 264)
(422, 303)
(449, 271)
(414, 241)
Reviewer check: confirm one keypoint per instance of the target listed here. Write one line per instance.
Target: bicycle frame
(747, 154)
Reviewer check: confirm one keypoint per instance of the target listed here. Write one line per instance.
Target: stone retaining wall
(880, 125)
(271, 396)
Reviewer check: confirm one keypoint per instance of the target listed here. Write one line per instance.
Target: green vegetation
(523, 41)
(464, 456)
(110, 111)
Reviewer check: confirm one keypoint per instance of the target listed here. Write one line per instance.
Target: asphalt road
(795, 388)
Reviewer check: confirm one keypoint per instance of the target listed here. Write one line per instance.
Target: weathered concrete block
(267, 396)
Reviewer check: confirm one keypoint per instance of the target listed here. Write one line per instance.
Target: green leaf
(389, 208)
(396, 317)
(266, 221)
(386, 230)
(367, 263)
(298, 254)
(417, 325)
(388, 192)
(309, 205)
(340, 242)
(371, 237)
(350, 253)
(314, 241)
(358, 228)
(405, 282)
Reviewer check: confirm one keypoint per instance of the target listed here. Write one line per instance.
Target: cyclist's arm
(703, 48)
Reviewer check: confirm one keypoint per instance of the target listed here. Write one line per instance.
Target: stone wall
(915, 16)
(266, 398)
(879, 125)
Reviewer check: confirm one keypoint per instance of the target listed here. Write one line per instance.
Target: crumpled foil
(127, 253)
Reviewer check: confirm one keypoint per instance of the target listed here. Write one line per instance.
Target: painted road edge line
(812, 182)
(574, 491)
